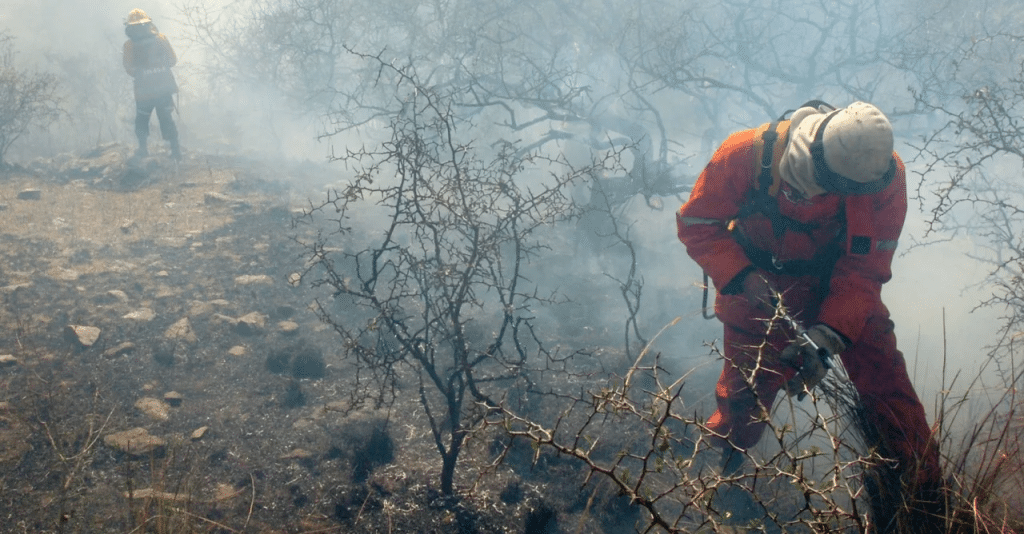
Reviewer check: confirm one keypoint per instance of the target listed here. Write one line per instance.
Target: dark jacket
(148, 58)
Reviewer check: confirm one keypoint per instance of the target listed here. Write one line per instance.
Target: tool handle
(822, 353)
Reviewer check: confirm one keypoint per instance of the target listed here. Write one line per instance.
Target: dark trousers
(163, 105)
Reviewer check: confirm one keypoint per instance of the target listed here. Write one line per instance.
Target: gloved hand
(801, 356)
(757, 291)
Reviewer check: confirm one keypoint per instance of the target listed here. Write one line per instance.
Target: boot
(142, 151)
(732, 502)
(175, 149)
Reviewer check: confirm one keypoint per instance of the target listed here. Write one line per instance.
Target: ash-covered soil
(164, 301)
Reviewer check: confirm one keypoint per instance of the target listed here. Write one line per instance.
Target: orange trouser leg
(879, 373)
(747, 388)
(751, 379)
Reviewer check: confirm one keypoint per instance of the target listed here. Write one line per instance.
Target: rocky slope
(161, 371)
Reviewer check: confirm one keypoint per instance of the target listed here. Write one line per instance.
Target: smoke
(82, 41)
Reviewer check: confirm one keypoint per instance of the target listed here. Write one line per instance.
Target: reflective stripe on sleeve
(884, 244)
(690, 221)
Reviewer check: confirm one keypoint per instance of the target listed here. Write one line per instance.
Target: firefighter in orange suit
(811, 209)
(148, 58)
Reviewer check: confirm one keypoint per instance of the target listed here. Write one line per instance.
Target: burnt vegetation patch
(299, 360)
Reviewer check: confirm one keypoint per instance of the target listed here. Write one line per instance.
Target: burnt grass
(284, 450)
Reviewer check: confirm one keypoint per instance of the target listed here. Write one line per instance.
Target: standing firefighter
(811, 209)
(148, 58)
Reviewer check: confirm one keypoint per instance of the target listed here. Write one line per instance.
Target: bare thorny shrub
(970, 188)
(440, 291)
(27, 98)
(808, 476)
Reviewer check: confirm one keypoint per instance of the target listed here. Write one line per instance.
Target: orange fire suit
(841, 290)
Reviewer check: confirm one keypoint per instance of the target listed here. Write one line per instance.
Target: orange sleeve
(874, 224)
(702, 222)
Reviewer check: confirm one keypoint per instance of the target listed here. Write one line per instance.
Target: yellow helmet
(137, 16)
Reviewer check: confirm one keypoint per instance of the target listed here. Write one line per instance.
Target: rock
(142, 315)
(181, 331)
(30, 194)
(294, 279)
(86, 336)
(120, 350)
(198, 308)
(14, 287)
(66, 275)
(137, 442)
(251, 324)
(198, 433)
(116, 295)
(173, 398)
(225, 319)
(8, 360)
(288, 328)
(214, 197)
(251, 279)
(237, 350)
(154, 408)
(105, 162)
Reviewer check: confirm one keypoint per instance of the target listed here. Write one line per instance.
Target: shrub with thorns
(809, 475)
(27, 98)
(440, 289)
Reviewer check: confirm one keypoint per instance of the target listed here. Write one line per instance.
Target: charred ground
(263, 438)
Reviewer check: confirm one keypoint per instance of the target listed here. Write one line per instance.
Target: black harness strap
(762, 201)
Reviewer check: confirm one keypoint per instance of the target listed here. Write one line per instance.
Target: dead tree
(440, 287)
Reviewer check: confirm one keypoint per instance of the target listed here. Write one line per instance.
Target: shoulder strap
(763, 197)
(766, 137)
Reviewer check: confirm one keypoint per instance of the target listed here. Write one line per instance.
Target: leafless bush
(808, 477)
(27, 98)
(985, 463)
(441, 288)
(970, 184)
